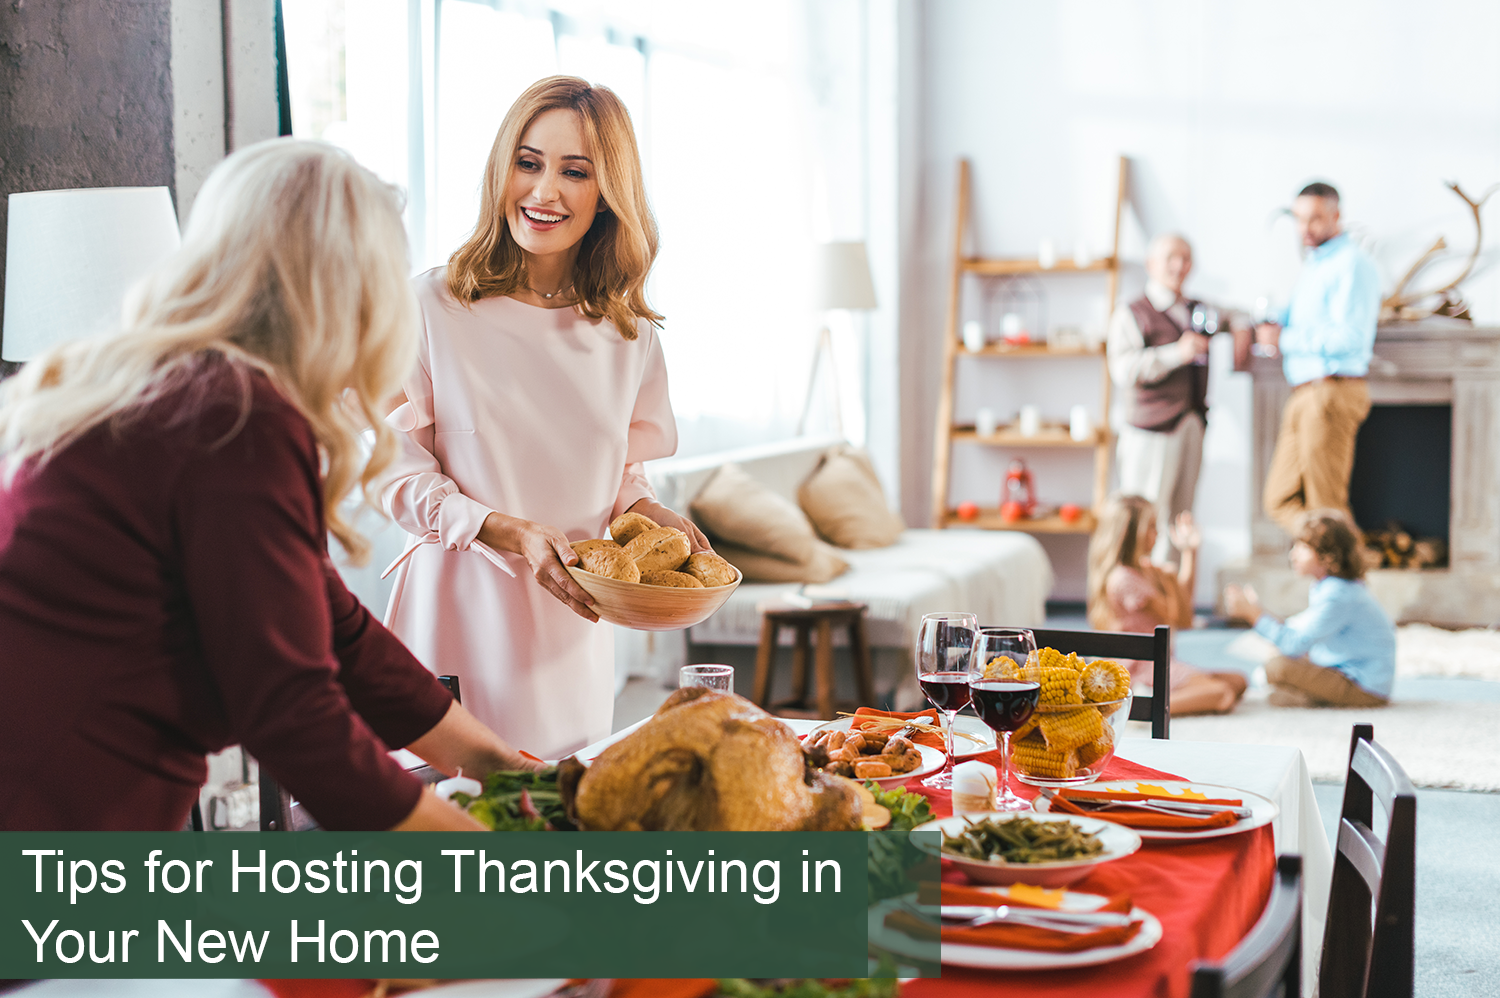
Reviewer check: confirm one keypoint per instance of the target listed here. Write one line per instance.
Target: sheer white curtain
(720, 100)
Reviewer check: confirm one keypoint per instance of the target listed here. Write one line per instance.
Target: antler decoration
(1401, 305)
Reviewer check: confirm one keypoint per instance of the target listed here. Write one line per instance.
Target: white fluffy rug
(1440, 744)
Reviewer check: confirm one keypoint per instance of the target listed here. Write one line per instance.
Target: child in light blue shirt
(1341, 650)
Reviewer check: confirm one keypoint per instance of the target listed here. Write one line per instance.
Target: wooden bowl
(652, 608)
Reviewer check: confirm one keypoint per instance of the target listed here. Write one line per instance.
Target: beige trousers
(1326, 686)
(1162, 467)
(1315, 449)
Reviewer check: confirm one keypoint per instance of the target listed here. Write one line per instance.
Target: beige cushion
(824, 565)
(767, 532)
(844, 501)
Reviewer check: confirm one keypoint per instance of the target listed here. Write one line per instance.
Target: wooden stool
(825, 619)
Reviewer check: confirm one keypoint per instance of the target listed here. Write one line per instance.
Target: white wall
(1225, 109)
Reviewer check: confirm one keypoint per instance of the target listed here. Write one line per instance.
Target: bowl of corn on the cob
(1080, 714)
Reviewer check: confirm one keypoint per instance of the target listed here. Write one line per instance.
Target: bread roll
(709, 569)
(675, 580)
(579, 547)
(659, 549)
(628, 526)
(611, 562)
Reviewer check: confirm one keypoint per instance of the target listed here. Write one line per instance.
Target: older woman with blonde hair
(539, 391)
(1127, 592)
(165, 586)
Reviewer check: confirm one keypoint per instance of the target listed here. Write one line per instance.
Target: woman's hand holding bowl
(665, 517)
(547, 552)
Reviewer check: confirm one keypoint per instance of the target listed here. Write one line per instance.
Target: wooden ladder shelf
(943, 513)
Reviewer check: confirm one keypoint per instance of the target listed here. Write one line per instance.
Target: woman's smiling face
(553, 192)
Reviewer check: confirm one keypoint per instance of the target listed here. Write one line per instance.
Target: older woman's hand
(665, 517)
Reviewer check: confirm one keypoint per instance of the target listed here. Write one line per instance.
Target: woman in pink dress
(1129, 593)
(539, 391)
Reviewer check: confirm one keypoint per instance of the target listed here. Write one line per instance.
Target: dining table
(1207, 894)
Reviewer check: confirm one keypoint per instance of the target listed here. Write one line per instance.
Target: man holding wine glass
(1158, 355)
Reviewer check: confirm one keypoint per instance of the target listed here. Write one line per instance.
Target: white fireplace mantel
(1436, 361)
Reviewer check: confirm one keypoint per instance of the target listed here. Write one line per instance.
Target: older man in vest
(1160, 364)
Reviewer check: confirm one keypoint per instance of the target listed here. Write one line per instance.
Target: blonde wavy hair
(294, 263)
(617, 252)
(1119, 539)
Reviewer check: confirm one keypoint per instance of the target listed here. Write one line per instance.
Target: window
(416, 89)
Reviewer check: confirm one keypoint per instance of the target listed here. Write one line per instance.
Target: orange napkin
(1141, 818)
(1137, 795)
(329, 988)
(929, 893)
(1014, 936)
(921, 737)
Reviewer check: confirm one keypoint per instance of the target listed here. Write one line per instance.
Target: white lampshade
(842, 279)
(71, 255)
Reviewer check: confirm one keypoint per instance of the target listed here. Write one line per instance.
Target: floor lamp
(842, 281)
(71, 255)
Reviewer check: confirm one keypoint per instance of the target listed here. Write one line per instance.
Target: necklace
(552, 295)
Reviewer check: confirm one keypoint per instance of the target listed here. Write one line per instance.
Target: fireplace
(1428, 458)
(1401, 489)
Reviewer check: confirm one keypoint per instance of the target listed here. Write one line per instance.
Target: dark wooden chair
(280, 813)
(1268, 961)
(1368, 944)
(1155, 648)
(823, 620)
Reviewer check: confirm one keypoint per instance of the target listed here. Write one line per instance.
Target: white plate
(963, 748)
(932, 761)
(1000, 958)
(513, 988)
(1118, 841)
(1262, 811)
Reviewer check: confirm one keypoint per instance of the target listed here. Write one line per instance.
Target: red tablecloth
(1206, 894)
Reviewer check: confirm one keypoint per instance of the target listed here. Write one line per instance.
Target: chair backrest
(1154, 648)
(1368, 944)
(280, 813)
(1268, 961)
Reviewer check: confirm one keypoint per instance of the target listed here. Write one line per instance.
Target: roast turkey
(708, 761)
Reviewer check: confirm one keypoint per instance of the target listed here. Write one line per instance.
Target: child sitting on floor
(1128, 593)
(1341, 650)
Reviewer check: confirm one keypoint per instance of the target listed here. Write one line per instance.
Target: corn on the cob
(1068, 729)
(1098, 748)
(1036, 759)
(1059, 686)
(1104, 680)
(1002, 667)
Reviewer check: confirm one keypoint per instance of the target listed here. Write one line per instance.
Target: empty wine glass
(1004, 686)
(944, 643)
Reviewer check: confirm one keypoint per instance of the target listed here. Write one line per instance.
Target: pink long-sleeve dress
(537, 413)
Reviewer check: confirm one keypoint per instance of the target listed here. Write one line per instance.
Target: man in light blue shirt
(1325, 340)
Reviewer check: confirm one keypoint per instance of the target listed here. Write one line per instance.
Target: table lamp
(71, 255)
(841, 281)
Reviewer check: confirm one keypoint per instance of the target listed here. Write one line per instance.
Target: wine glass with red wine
(1004, 687)
(944, 643)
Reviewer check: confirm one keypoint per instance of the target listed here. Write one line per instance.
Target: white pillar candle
(986, 422)
(1030, 421)
(973, 335)
(1046, 255)
(1080, 424)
